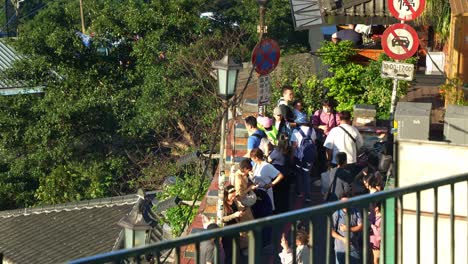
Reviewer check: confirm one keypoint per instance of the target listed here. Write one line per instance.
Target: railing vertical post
(158, 257)
(177, 255)
(418, 227)
(400, 230)
(384, 232)
(293, 241)
(452, 223)
(217, 255)
(436, 223)
(197, 253)
(235, 250)
(328, 240)
(365, 234)
(348, 236)
(255, 246)
(311, 243)
(389, 241)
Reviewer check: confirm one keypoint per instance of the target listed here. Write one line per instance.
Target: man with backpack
(255, 134)
(305, 152)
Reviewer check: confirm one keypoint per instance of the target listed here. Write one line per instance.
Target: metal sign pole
(393, 103)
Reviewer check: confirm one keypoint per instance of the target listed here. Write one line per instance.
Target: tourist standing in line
(233, 211)
(344, 138)
(255, 134)
(339, 230)
(280, 158)
(303, 182)
(283, 104)
(323, 120)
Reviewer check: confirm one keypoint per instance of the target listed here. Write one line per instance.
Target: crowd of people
(285, 153)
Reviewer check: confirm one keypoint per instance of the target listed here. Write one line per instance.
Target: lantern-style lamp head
(227, 76)
(136, 227)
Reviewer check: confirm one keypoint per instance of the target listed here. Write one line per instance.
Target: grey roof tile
(60, 233)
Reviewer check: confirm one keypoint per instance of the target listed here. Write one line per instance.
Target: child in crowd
(302, 249)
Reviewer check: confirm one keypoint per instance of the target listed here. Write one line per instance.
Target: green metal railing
(391, 200)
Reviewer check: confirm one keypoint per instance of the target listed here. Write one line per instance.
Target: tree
(102, 117)
(139, 90)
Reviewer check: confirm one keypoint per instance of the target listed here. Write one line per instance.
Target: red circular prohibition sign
(400, 41)
(407, 9)
(266, 56)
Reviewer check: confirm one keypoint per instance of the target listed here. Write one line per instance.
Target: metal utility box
(456, 124)
(364, 115)
(413, 120)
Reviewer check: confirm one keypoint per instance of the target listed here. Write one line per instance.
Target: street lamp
(136, 225)
(227, 71)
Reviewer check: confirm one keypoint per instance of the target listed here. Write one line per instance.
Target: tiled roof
(55, 234)
(8, 86)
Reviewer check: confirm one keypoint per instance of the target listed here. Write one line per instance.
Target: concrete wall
(421, 161)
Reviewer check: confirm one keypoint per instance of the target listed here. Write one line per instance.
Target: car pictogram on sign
(401, 41)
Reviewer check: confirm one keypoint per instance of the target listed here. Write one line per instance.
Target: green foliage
(336, 55)
(305, 84)
(353, 83)
(188, 188)
(74, 182)
(437, 14)
(345, 86)
(378, 91)
(452, 92)
(278, 19)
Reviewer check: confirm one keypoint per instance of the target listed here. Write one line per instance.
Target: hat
(301, 118)
(264, 121)
(277, 111)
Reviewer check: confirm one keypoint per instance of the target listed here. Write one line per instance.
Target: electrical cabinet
(413, 120)
(456, 124)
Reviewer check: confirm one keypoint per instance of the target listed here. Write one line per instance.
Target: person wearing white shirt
(343, 138)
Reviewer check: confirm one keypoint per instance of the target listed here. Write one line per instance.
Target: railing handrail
(258, 224)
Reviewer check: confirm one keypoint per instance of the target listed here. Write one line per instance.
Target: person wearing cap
(265, 124)
(281, 125)
(255, 134)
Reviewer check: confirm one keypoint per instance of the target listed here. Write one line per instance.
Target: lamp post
(261, 26)
(227, 71)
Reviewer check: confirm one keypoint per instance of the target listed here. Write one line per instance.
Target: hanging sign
(264, 86)
(406, 9)
(265, 56)
(400, 41)
(397, 70)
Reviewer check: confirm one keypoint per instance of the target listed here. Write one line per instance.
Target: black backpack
(307, 151)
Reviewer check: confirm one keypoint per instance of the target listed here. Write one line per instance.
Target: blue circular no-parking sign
(266, 56)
